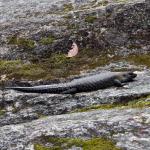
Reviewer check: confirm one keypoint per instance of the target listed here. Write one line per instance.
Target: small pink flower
(73, 51)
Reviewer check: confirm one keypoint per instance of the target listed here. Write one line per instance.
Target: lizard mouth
(127, 77)
(132, 75)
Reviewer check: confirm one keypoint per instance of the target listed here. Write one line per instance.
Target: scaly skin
(85, 84)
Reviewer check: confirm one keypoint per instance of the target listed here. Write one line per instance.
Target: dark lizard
(84, 84)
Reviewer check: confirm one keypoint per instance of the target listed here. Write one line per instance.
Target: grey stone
(122, 123)
(124, 23)
(123, 27)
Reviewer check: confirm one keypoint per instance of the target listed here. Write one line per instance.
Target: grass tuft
(21, 42)
(66, 143)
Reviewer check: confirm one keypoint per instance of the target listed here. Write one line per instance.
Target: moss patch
(72, 26)
(139, 103)
(2, 112)
(103, 3)
(134, 46)
(20, 70)
(68, 7)
(47, 40)
(106, 2)
(90, 19)
(30, 71)
(59, 66)
(21, 42)
(121, 1)
(7, 67)
(66, 143)
(67, 17)
(140, 59)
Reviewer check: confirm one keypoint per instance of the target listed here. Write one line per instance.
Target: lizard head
(127, 76)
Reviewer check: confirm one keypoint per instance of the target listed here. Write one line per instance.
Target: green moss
(19, 70)
(121, 1)
(57, 61)
(6, 67)
(95, 107)
(56, 66)
(66, 143)
(30, 71)
(139, 103)
(59, 66)
(21, 42)
(40, 147)
(47, 40)
(103, 3)
(2, 112)
(72, 26)
(67, 17)
(106, 2)
(134, 46)
(140, 59)
(90, 19)
(68, 7)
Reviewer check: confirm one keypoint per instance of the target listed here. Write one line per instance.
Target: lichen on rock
(21, 42)
(70, 143)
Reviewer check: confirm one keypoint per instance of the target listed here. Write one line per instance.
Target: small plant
(68, 7)
(138, 103)
(103, 3)
(90, 19)
(121, 1)
(67, 143)
(21, 42)
(3, 79)
(7, 67)
(47, 40)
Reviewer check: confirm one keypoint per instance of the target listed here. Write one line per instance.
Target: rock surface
(23, 107)
(35, 29)
(130, 128)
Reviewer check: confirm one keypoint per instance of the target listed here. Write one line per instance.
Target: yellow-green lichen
(134, 46)
(2, 112)
(66, 143)
(68, 7)
(139, 103)
(72, 26)
(106, 2)
(90, 19)
(30, 71)
(58, 59)
(140, 59)
(7, 67)
(59, 66)
(47, 40)
(21, 42)
(56, 66)
(121, 1)
(103, 3)
(17, 69)
(68, 17)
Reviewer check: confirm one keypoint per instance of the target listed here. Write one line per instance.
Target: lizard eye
(124, 75)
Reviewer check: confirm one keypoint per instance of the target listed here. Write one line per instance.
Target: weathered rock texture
(37, 28)
(129, 128)
(34, 29)
(23, 107)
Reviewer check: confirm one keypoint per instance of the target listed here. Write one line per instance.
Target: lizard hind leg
(69, 91)
(117, 83)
